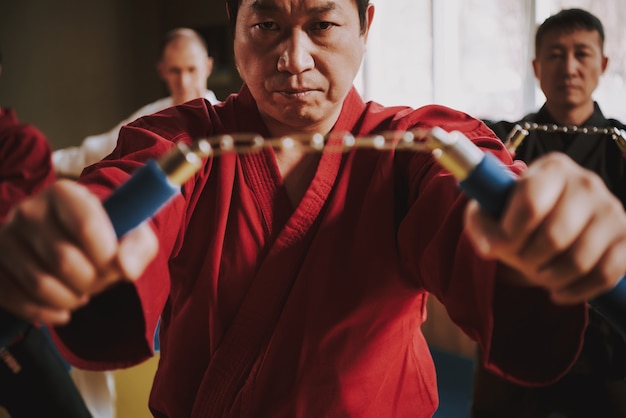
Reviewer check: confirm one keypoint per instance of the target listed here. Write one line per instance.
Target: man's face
(185, 68)
(569, 65)
(299, 59)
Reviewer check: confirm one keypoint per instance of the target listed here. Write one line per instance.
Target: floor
(454, 380)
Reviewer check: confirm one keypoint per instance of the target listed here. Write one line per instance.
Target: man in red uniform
(293, 284)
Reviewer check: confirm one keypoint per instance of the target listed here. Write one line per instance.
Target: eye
(322, 26)
(267, 25)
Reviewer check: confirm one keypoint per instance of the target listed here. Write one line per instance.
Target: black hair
(233, 7)
(569, 20)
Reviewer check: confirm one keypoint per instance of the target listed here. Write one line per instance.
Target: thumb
(483, 231)
(136, 249)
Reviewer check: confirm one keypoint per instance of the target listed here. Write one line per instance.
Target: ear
(536, 67)
(605, 63)
(369, 15)
(209, 65)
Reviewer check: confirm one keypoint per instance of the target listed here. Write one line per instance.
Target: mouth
(297, 97)
(295, 93)
(569, 89)
(569, 86)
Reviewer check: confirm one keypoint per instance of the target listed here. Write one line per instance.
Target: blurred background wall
(76, 68)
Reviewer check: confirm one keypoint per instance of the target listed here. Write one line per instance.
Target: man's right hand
(59, 248)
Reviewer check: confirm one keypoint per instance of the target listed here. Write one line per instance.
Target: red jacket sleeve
(26, 166)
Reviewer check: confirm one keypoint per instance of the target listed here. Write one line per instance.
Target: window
(398, 64)
(475, 55)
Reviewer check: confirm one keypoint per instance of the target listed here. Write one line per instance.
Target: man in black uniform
(569, 60)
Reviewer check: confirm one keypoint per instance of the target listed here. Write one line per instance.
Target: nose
(185, 79)
(296, 57)
(571, 64)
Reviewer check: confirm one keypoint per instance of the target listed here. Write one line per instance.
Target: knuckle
(72, 263)
(24, 213)
(555, 161)
(615, 210)
(590, 182)
(525, 202)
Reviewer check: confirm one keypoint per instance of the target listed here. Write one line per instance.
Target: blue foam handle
(491, 183)
(135, 201)
(139, 198)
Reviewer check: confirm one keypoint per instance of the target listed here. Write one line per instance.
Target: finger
(44, 243)
(489, 239)
(570, 218)
(16, 302)
(604, 275)
(82, 216)
(23, 273)
(51, 251)
(33, 313)
(597, 239)
(137, 249)
(482, 230)
(533, 199)
(583, 289)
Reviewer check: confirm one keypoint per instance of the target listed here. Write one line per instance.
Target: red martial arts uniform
(25, 161)
(315, 311)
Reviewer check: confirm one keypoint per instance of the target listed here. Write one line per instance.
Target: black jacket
(597, 152)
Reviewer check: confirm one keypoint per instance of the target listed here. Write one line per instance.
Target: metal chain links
(521, 131)
(453, 150)
(415, 140)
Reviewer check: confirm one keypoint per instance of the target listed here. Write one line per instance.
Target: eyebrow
(578, 45)
(265, 6)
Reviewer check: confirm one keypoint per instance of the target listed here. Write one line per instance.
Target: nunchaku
(481, 176)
